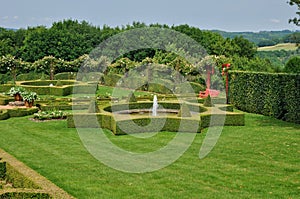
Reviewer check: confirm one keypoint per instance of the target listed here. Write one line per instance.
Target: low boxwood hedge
(148, 105)
(2, 170)
(20, 112)
(6, 100)
(4, 115)
(22, 195)
(4, 88)
(69, 87)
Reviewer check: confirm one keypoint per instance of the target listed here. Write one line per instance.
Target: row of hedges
(148, 105)
(69, 87)
(275, 95)
(44, 88)
(19, 182)
(24, 182)
(17, 112)
(172, 124)
(5, 100)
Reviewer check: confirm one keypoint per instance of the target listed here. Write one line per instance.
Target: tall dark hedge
(276, 95)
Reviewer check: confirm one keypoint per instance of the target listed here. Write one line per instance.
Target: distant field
(282, 46)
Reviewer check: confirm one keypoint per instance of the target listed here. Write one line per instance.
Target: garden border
(37, 183)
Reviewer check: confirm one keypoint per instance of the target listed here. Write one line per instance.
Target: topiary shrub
(93, 107)
(58, 83)
(184, 111)
(131, 97)
(208, 102)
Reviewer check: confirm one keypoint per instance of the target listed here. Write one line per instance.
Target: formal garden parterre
(256, 156)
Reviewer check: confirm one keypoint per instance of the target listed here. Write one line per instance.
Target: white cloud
(16, 17)
(275, 20)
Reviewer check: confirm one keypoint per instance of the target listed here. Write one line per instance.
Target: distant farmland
(282, 46)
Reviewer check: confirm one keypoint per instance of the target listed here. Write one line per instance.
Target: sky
(227, 15)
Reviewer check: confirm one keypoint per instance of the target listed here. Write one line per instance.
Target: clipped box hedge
(148, 105)
(2, 170)
(23, 194)
(270, 94)
(20, 112)
(4, 115)
(67, 88)
(172, 124)
(4, 88)
(6, 100)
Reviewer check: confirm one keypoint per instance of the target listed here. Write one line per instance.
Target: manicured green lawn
(259, 160)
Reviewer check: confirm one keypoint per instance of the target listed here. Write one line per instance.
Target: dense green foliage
(295, 20)
(293, 65)
(278, 58)
(264, 38)
(275, 95)
(63, 48)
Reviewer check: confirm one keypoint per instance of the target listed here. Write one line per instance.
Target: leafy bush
(93, 107)
(2, 170)
(293, 65)
(184, 111)
(18, 179)
(16, 90)
(58, 83)
(31, 76)
(21, 195)
(275, 95)
(4, 115)
(48, 115)
(131, 97)
(208, 102)
(65, 76)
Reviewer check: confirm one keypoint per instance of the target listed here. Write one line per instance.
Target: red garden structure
(213, 93)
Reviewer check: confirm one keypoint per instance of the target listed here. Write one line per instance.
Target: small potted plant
(17, 93)
(29, 98)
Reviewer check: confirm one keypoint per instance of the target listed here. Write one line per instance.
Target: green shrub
(293, 65)
(184, 111)
(65, 76)
(141, 125)
(31, 76)
(58, 83)
(270, 94)
(48, 115)
(17, 179)
(236, 119)
(20, 112)
(4, 78)
(2, 170)
(131, 97)
(148, 105)
(22, 195)
(111, 79)
(4, 115)
(208, 102)
(161, 87)
(4, 88)
(5, 100)
(93, 107)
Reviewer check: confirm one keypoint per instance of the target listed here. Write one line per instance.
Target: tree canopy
(295, 20)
